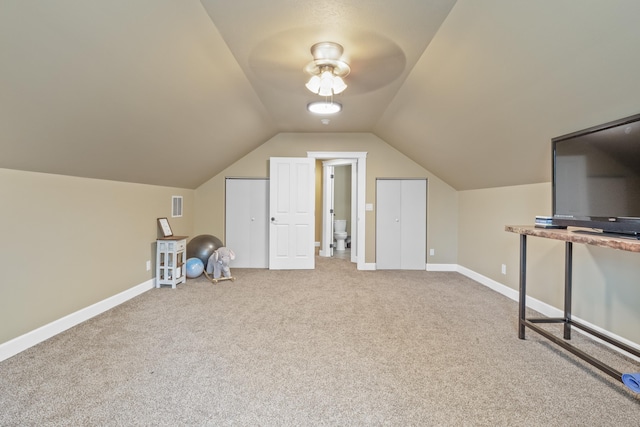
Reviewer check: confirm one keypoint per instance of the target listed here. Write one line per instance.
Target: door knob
(397, 220)
(273, 218)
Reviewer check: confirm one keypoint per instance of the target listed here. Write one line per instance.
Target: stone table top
(578, 235)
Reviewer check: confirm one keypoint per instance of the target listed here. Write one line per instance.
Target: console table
(569, 237)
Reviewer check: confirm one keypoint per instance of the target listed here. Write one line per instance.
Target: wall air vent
(176, 206)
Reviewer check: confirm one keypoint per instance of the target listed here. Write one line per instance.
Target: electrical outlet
(504, 268)
(148, 265)
(432, 252)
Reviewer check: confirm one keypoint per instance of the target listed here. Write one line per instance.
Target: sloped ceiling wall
(123, 90)
(502, 77)
(139, 91)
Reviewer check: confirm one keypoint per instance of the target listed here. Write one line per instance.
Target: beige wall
(71, 242)
(382, 161)
(606, 291)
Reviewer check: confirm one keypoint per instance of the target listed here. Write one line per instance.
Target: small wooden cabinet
(170, 261)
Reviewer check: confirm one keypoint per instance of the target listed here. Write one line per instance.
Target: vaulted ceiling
(471, 90)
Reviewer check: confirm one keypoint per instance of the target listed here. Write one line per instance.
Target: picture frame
(165, 227)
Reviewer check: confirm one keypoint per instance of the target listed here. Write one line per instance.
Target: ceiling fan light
(324, 107)
(338, 85)
(326, 83)
(325, 91)
(313, 84)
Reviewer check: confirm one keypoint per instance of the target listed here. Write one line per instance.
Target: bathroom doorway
(339, 211)
(358, 162)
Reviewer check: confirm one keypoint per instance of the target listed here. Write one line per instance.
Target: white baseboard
(367, 266)
(549, 310)
(490, 283)
(23, 342)
(442, 267)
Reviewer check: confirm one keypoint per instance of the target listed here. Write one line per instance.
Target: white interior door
(413, 224)
(247, 221)
(388, 244)
(291, 211)
(326, 246)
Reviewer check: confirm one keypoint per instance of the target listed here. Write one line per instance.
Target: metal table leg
(568, 268)
(523, 286)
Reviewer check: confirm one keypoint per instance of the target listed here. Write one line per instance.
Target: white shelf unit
(170, 261)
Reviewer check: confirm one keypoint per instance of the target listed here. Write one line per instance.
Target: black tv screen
(596, 177)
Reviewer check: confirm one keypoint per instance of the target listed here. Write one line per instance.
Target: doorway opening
(357, 162)
(339, 202)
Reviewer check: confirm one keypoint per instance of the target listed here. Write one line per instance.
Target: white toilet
(340, 233)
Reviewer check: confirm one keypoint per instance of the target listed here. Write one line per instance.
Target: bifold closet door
(401, 224)
(247, 221)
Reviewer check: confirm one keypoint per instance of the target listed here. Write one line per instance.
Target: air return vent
(176, 206)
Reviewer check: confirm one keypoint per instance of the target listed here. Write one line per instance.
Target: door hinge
(330, 210)
(332, 175)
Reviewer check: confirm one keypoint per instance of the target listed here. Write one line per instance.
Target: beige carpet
(333, 346)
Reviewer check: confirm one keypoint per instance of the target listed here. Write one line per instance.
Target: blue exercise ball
(203, 246)
(195, 267)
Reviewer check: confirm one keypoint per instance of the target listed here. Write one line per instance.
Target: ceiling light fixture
(324, 107)
(327, 69)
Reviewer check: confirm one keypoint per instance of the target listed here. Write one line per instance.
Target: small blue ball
(195, 267)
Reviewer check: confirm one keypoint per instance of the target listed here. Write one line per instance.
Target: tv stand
(569, 237)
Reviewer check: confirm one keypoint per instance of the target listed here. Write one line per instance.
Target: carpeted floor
(332, 346)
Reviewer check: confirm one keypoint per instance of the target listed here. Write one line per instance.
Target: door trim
(328, 167)
(361, 170)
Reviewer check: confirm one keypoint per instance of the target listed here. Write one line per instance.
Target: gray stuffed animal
(218, 262)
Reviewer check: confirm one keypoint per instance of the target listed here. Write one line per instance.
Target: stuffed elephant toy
(218, 262)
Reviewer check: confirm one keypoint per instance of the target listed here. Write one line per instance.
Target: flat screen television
(596, 178)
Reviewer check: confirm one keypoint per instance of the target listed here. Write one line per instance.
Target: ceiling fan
(371, 62)
(327, 69)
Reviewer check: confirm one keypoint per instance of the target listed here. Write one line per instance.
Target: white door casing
(358, 223)
(328, 185)
(291, 211)
(354, 213)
